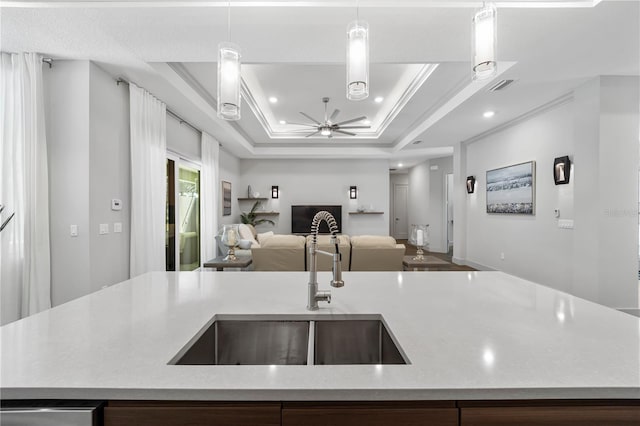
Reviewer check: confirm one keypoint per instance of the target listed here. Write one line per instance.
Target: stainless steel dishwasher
(51, 413)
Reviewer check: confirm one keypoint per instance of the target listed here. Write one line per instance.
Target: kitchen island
(467, 336)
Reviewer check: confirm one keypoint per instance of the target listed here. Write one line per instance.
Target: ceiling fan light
(229, 81)
(485, 42)
(325, 131)
(357, 60)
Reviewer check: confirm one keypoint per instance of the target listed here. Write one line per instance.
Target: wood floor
(411, 251)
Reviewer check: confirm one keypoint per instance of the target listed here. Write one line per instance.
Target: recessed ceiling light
(273, 99)
(379, 99)
(366, 122)
(283, 122)
(489, 114)
(399, 164)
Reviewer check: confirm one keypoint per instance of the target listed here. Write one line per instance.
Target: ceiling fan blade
(344, 133)
(312, 134)
(354, 127)
(302, 124)
(311, 118)
(353, 120)
(334, 114)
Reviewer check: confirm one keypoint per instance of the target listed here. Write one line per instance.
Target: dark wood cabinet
(375, 413)
(547, 413)
(370, 414)
(140, 413)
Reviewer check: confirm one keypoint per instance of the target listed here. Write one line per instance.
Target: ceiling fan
(328, 127)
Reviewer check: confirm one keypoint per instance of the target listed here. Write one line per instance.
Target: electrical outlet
(117, 227)
(73, 230)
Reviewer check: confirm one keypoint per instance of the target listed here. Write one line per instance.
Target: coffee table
(430, 263)
(219, 263)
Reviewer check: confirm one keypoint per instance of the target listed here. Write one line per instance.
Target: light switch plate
(104, 228)
(117, 227)
(73, 230)
(565, 223)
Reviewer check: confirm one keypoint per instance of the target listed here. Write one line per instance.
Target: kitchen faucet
(316, 296)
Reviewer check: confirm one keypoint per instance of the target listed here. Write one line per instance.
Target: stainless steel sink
(248, 342)
(292, 340)
(354, 342)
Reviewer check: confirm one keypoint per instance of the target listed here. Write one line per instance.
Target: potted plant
(251, 217)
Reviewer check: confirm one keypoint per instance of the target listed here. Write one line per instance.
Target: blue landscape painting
(511, 189)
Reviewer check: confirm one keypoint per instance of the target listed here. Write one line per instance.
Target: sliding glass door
(182, 215)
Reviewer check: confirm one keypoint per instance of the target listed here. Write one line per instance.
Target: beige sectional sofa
(279, 253)
(376, 253)
(283, 252)
(359, 253)
(325, 263)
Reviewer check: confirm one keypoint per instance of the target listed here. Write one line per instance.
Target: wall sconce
(275, 192)
(471, 184)
(353, 192)
(561, 170)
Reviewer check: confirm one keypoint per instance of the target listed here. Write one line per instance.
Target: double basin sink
(287, 340)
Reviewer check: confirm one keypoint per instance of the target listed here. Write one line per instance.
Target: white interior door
(400, 213)
(449, 206)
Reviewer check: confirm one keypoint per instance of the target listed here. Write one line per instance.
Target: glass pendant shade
(485, 42)
(357, 60)
(228, 81)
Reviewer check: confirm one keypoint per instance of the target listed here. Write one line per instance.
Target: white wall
(427, 199)
(533, 246)
(614, 203)
(183, 140)
(110, 177)
(437, 203)
(87, 118)
(230, 172)
(596, 260)
(419, 187)
(320, 182)
(66, 96)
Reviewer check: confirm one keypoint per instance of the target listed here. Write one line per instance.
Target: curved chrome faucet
(316, 296)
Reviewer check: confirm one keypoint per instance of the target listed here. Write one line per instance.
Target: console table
(219, 263)
(430, 263)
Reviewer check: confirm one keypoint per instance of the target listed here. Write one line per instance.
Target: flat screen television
(302, 216)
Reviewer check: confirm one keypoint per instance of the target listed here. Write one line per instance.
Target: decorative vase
(420, 239)
(230, 237)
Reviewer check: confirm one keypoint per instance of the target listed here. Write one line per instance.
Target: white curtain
(25, 265)
(148, 117)
(209, 199)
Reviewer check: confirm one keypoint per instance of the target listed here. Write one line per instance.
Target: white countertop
(468, 335)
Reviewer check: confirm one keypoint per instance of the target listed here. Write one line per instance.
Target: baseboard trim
(474, 265)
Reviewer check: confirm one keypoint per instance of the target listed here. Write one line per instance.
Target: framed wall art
(226, 198)
(511, 189)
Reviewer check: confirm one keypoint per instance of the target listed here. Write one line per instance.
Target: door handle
(397, 218)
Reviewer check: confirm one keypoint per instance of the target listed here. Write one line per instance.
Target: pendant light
(357, 59)
(229, 76)
(485, 42)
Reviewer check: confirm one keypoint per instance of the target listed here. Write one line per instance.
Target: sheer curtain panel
(148, 181)
(210, 196)
(25, 265)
